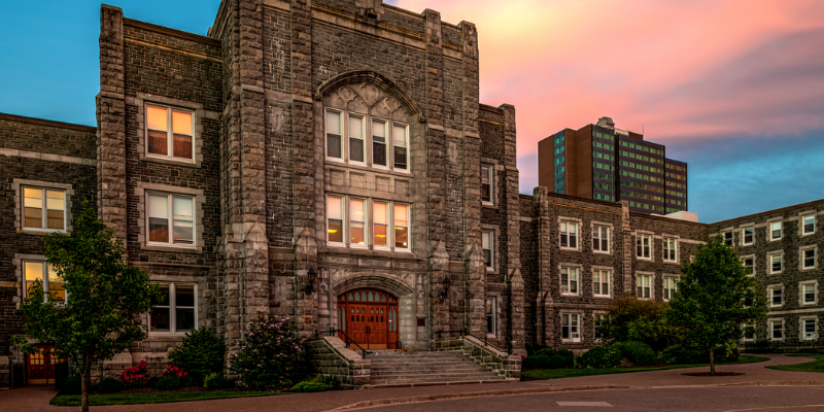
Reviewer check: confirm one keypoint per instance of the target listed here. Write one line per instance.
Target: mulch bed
(711, 375)
(186, 389)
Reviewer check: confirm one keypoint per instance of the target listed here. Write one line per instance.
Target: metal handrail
(464, 332)
(365, 352)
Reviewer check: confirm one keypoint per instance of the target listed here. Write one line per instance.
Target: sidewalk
(36, 398)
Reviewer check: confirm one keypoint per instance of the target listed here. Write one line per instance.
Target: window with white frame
(492, 316)
(643, 246)
(487, 187)
(53, 285)
(808, 260)
(728, 238)
(749, 263)
(176, 312)
(644, 286)
(570, 327)
(748, 331)
(170, 132)
(669, 287)
(808, 224)
(601, 283)
(775, 294)
(809, 292)
(600, 238)
(400, 143)
(776, 329)
(748, 236)
(775, 230)
(171, 219)
(44, 209)
(569, 281)
(670, 249)
(347, 138)
(334, 137)
(569, 234)
(775, 259)
(488, 247)
(379, 143)
(348, 223)
(357, 132)
(597, 322)
(808, 327)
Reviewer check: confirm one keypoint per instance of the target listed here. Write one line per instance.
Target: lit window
(809, 258)
(492, 316)
(357, 216)
(170, 132)
(775, 262)
(380, 211)
(348, 223)
(670, 249)
(399, 144)
(175, 313)
(644, 286)
(334, 218)
(488, 247)
(808, 293)
(600, 238)
(775, 230)
(777, 329)
(334, 142)
(643, 244)
(401, 226)
(569, 281)
(669, 288)
(378, 143)
(569, 235)
(356, 135)
(486, 184)
(44, 209)
(809, 224)
(749, 235)
(47, 275)
(171, 219)
(600, 283)
(570, 330)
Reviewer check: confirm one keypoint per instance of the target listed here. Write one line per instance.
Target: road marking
(560, 403)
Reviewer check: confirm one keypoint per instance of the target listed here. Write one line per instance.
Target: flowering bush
(268, 354)
(173, 370)
(136, 376)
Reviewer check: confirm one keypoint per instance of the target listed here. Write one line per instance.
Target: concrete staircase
(397, 368)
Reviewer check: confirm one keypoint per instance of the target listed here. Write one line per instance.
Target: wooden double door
(41, 364)
(369, 317)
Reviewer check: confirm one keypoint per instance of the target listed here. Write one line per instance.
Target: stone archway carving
(369, 91)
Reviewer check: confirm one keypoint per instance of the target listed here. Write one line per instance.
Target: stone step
(396, 355)
(406, 385)
(438, 379)
(395, 372)
(442, 376)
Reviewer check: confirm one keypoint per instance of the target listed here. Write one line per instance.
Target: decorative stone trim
(200, 200)
(141, 100)
(47, 157)
(18, 204)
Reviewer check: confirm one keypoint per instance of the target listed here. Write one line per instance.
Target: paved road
(751, 399)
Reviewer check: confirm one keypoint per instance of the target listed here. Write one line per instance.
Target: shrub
(268, 355)
(633, 319)
(316, 384)
(168, 383)
(533, 349)
(546, 351)
(639, 353)
(71, 385)
(685, 355)
(601, 356)
(152, 382)
(172, 370)
(532, 362)
(215, 381)
(569, 357)
(200, 353)
(136, 376)
(558, 362)
(109, 385)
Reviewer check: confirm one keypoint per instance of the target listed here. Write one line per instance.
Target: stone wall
(329, 356)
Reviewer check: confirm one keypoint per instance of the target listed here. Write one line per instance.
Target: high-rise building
(601, 162)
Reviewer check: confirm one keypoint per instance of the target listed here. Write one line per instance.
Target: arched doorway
(369, 317)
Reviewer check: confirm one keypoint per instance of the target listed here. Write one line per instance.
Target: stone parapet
(329, 356)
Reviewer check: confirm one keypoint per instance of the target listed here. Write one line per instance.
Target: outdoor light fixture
(312, 276)
(445, 282)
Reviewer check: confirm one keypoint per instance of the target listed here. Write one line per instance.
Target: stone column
(511, 205)
(629, 247)
(542, 237)
(438, 312)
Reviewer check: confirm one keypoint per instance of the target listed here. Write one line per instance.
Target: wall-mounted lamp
(312, 276)
(445, 282)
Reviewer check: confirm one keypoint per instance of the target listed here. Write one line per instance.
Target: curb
(539, 390)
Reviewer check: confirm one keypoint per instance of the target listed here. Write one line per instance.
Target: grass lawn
(574, 373)
(815, 366)
(152, 397)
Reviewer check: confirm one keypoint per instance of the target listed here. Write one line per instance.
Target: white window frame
(639, 241)
(802, 330)
(44, 208)
(564, 230)
(770, 268)
(367, 133)
(770, 327)
(566, 288)
(392, 126)
(492, 301)
(170, 210)
(597, 228)
(672, 254)
(349, 138)
(172, 310)
(343, 136)
(390, 224)
(744, 236)
(638, 278)
(744, 263)
(343, 213)
(802, 260)
(44, 278)
(598, 274)
(802, 298)
(574, 335)
(802, 229)
(770, 233)
(369, 223)
(770, 301)
(387, 136)
(490, 233)
(744, 336)
(169, 133)
(732, 238)
(367, 217)
(491, 169)
(664, 289)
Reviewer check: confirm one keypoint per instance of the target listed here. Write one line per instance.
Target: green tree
(104, 296)
(715, 296)
(633, 319)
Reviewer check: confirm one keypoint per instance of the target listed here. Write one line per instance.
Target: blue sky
(740, 98)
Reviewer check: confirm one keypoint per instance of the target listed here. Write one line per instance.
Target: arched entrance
(369, 317)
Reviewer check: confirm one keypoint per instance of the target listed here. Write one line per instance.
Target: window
(44, 209)
(728, 238)
(775, 294)
(776, 329)
(569, 235)
(357, 215)
(401, 227)
(378, 143)
(748, 234)
(486, 184)
(670, 249)
(346, 133)
(347, 223)
(643, 243)
(569, 281)
(775, 230)
(334, 143)
(597, 322)
(488, 247)
(600, 238)
(749, 263)
(570, 330)
(170, 132)
(808, 258)
(171, 219)
(809, 294)
(748, 332)
(808, 224)
(334, 219)
(175, 313)
(644, 286)
(669, 288)
(492, 316)
(600, 283)
(380, 216)
(775, 262)
(45, 273)
(809, 328)
(357, 148)
(400, 145)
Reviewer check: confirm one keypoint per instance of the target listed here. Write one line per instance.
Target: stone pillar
(475, 297)
(306, 306)
(111, 123)
(629, 247)
(511, 205)
(515, 287)
(437, 319)
(543, 241)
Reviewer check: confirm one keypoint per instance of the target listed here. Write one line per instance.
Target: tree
(104, 295)
(633, 319)
(715, 296)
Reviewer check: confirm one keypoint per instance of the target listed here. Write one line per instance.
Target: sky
(734, 88)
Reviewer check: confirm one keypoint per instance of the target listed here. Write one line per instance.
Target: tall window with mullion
(670, 249)
(569, 281)
(569, 235)
(644, 286)
(749, 235)
(334, 137)
(775, 230)
(380, 212)
(170, 132)
(176, 312)
(378, 143)
(401, 226)
(357, 216)
(488, 247)
(669, 287)
(44, 272)
(334, 219)
(399, 144)
(44, 209)
(491, 316)
(486, 184)
(357, 148)
(171, 219)
(600, 283)
(600, 238)
(570, 329)
(809, 224)
(643, 245)
(809, 258)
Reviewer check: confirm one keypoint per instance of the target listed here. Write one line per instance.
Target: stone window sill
(173, 249)
(170, 161)
(40, 232)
